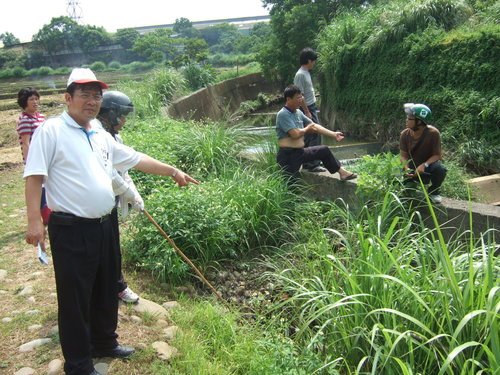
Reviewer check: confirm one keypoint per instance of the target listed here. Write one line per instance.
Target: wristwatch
(426, 165)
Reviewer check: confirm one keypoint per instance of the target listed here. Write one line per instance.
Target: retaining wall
(218, 101)
(453, 215)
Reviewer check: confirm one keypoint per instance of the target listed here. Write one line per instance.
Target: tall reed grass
(381, 293)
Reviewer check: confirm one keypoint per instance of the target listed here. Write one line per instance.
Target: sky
(24, 18)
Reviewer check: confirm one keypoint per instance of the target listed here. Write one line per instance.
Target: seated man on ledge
(420, 149)
(291, 126)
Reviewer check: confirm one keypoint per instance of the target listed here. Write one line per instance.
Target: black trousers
(291, 159)
(85, 266)
(434, 174)
(311, 140)
(122, 285)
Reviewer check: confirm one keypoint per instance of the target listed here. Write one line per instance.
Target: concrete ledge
(453, 215)
(219, 100)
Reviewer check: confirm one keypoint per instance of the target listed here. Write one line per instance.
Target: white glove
(138, 203)
(129, 196)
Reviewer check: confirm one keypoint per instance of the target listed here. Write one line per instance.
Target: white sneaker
(436, 198)
(128, 296)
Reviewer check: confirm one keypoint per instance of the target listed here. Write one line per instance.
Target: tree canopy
(8, 39)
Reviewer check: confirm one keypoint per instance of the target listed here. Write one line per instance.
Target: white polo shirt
(77, 165)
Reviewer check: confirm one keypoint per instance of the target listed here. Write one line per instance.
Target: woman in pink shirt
(28, 99)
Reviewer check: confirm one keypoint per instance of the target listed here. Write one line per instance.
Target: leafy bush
(138, 66)
(98, 66)
(18, 72)
(156, 91)
(221, 218)
(114, 65)
(382, 173)
(42, 71)
(221, 59)
(198, 76)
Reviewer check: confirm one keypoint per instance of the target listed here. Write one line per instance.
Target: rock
(164, 351)
(32, 312)
(7, 319)
(27, 290)
(102, 368)
(31, 299)
(3, 292)
(53, 295)
(151, 307)
(171, 305)
(29, 346)
(162, 323)
(25, 371)
(55, 367)
(54, 330)
(3, 273)
(136, 319)
(34, 327)
(170, 332)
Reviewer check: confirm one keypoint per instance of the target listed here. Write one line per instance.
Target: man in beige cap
(75, 158)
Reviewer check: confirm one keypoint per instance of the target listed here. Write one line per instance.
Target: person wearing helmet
(420, 149)
(115, 108)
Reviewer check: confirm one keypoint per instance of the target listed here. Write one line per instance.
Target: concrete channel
(454, 216)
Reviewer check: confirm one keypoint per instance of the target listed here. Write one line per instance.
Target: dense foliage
(295, 25)
(439, 52)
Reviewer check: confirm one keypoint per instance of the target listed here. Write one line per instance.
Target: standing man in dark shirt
(420, 148)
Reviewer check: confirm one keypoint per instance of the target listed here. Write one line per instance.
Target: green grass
(380, 292)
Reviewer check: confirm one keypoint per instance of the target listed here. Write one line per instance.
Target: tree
(295, 25)
(157, 45)
(8, 39)
(89, 38)
(127, 37)
(57, 36)
(213, 34)
(185, 29)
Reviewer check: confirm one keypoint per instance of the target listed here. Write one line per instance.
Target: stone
(102, 368)
(3, 273)
(151, 307)
(55, 367)
(53, 295)
(34, 327)
(171, 305)
(170, 332)
(162, 323)
(136, 319)
(31, 299)
(164, 351)
(25, 371)
(37, 273)
(33, 312)
(27, 290)
(29, 346)
(7, 319)
(3, 292)
(54, 330)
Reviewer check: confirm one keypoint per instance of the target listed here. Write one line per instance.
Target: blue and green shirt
(287, 120)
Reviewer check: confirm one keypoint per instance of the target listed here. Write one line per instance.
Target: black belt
(63, 218)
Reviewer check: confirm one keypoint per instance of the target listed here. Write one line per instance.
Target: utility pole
(74, 10)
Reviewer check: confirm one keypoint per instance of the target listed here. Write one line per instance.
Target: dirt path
(28, 308)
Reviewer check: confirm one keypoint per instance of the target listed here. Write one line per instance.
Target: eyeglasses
(86, 96)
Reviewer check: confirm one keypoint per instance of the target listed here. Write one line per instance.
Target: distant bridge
(242, 23)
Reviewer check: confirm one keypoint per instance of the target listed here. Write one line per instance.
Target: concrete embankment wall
(220, 100)
(453, 215)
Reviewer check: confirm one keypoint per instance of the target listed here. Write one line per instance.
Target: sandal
(352, 176)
